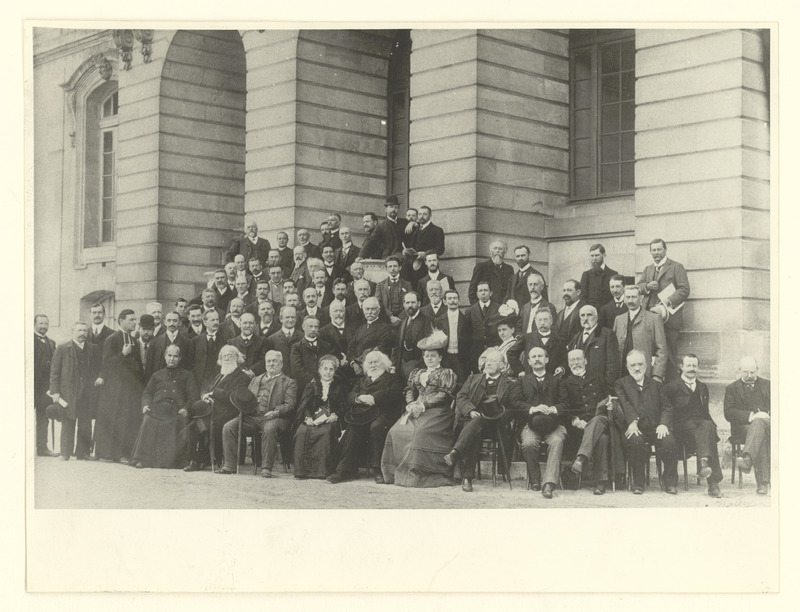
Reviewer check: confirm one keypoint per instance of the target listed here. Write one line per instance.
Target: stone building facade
(151, 147)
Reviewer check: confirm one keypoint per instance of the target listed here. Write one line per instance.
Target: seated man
(687, 397)
(540, 391)
(647, 422)
(747, 408)
(478, 392)
(584, 400)
(276, 395)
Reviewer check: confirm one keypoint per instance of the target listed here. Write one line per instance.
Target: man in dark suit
(646, 421)
(332, 271)
(266, 321)
(540, 392)
(595, 280)
(323, 286)
(747, 408)
(518, 286)
(642, 330)
(435, 305)
(204, 350)
(251, 345)
(43, 349)
(537, 302)
(458, 328)
(375, 333)
(250, 245)
(390, 291)
(155, 353)
(223, 294)
(357, 274)
(286, 254)
(433, 273)
(354, 315)
(480, 315)
(74, 374)
(155, 310)
(406, 356)
(196, 327)
(599, 346)
(99, 331)
(304, 240)
(347, 253)
(568, 321)
(333, 238)
(312, 309)
(283, 340)
(426, 238)
(232, 325)
(472, 425)
(544, 337)
(209, 303)
(337, 333)
(392, 229)
(374, 243)
(656, 277)
(693, 426)
(262, 296)
(300, 274)
(305, 354)
(616, 306)
(494, 271)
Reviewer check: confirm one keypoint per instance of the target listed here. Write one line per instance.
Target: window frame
(107, 124)
(402, 42)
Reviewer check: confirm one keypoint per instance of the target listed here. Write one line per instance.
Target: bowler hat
(490, 408)
(147, 321)
(200, 409)
(543, 424)
(55, 412)
(244, 400)
(361, 414)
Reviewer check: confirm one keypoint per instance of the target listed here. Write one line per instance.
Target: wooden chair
(629, 471)
(736, 451)
(689, 452)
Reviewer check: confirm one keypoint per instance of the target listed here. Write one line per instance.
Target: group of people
(332, 372)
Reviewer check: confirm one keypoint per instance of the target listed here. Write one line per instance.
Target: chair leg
(647, 474)
(506, 467)
(239, 445)
(734, 455)
(685, 471)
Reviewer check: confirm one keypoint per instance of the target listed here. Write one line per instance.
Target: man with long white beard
(494, 271)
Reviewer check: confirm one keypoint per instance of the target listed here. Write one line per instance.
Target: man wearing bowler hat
(487, 402)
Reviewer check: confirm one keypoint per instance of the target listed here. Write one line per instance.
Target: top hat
(244, 401)
(490, 408)
(55, 412)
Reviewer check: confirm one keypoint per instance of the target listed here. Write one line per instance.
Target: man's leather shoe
(335, 478)
(600, 488)
(744, 463)
(536, 485)
(705, 469)
(46, 453)
(638, 490)
(761, 489)
(577, 465)
(379, 478)
(713, 490)
(64, 457)
(547, 492)
(192, 467)
(81, 457)
(266, 473)
(671, 489)
(467, 485)
(451, 458)
(138, 464)
(223, 470)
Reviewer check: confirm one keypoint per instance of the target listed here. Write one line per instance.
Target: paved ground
(98, 484)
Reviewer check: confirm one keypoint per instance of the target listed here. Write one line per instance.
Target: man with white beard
(494, 271)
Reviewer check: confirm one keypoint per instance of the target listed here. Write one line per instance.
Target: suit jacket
(312, 250)
(671, 272)
(279, 342)
(556, 352)
(378, 335)
(737, 409)
(351, 294)
(65, 377)
(304, 359)
(408, 335)
(332, 274)
(242, 245)
(463, 332)
(390, 234)
(273, 327)
(644, 404)
(42, 357)
(472, 393)
(525, 317)
(345, 260)
(287, 261)
(300, 277)
(422, 285)
(484, 334)
(594, 286)
(190, 333)
(155, 354)
(567, 328)
(322, 315)
(518, 287)
(253, 349)
(429, 238)
(333, 240)
(372, 248)
(230, 328)
(648, 337)
(609, 312)
(428, 311)
(382, 292)
(499, 280)
(283, 397)
(221, 388)
(535, 393)
(203, 354)
(252, 307)
(580, 396)
(601, 352)
(222, 300)
(676, 396)
(338, 341)
(100, 338)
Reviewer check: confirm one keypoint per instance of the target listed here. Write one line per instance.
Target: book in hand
(665, 294)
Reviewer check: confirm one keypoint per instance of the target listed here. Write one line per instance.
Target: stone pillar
(702, 184)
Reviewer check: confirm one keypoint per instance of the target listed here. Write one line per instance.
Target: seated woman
(321, 409)
(165, 404)
(373, 407)
(413, 455)
(511, 345)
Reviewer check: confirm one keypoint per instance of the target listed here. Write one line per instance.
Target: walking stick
(53, 433)
(503, 453)
(239, 445)
(611, 433)
(211, 442)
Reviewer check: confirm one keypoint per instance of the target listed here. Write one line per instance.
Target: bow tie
(211, 338)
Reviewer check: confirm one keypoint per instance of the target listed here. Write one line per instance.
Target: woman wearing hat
(511, 345)
(413, 455)
(321, 410)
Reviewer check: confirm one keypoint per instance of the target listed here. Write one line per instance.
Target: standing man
(249, 245)
(599, 346)
(283, 339)
(304, 240)
(392, 228)
(568, 321)
(356, 274)
(286, 255)
(267, 322)
(415, 326)
(544, 337)
(747, 409)
(645, 422)
(223, 294)
(43, 349)
(337, 333)
(373, 246)
(99, 330)
(171, 337)
(305, 354)
(458, 328)
(494, 271)
(687, 398)
(435, 306)
(119, 412)
(518, 287)
(196, 327)
(332, 271)
(433, 273)
(595, 281)
(300, 274)
(656, 277)
(204, 350)
(480, 315)
(391, 290)
(275, 290)
(334, 238)
(155, 310)
(347, 253)
(616, 306)
(642, 330)
(73, 376)
(536, 303)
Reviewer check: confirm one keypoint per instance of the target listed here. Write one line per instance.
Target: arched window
(100, 186)
(399, 120)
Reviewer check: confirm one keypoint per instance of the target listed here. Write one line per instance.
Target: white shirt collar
(590, 331)
(527, 265)
(632, 313)
(426, 224)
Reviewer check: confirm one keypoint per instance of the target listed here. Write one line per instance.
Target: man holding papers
(665, 287)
